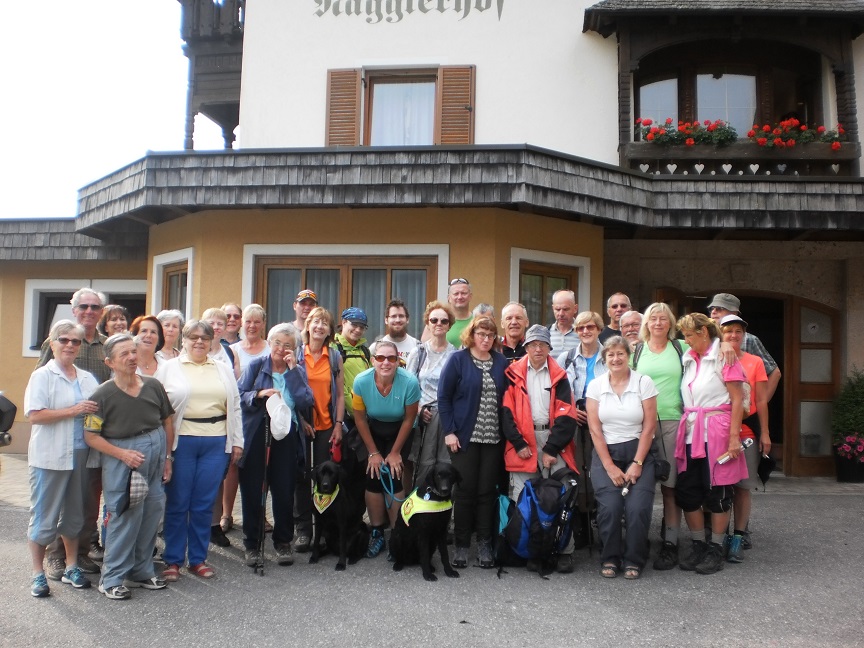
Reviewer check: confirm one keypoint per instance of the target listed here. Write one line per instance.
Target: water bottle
(722, 459)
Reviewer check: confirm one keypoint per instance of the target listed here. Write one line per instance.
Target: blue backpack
(540, 523)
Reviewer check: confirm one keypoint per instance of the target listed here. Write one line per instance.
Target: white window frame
(170, 258)
(34, 287)
(517, 255)
(250, 252)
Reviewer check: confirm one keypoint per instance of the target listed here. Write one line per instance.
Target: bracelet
(637, 462)
(340, 422)
(169, 458)
(372, 454)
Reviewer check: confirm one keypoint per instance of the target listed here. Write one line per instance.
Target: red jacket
(517, 423)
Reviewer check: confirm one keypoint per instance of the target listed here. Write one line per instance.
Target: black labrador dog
(338, 506)
(421, 524)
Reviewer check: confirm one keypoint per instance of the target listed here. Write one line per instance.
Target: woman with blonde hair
(254, 344)
(708, 446)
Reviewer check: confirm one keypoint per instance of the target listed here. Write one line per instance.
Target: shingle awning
(603, 17)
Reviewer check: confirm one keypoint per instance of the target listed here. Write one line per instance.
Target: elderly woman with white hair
(172, 323)
(207, 421)
(56, 400)
(275, 375)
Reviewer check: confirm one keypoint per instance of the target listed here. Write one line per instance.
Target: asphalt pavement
(802, 584)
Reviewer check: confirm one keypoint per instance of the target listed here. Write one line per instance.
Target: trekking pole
(259, 566)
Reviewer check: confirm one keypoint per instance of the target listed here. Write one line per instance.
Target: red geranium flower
(790, 143)
(650, 137)
(689, 141)
(751, 133)
(803, 127)
(779, 142)
(647, 122)
(820, 130)
(668, 121)
(766, 128)
(762, 141)
(835, 146)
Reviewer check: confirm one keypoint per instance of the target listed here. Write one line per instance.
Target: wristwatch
(637, 462)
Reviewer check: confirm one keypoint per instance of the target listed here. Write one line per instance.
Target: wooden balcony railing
(208, 19)
(743, 158)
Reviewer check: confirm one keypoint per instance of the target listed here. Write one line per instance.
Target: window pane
(369, 292)
(402, 113)
(815, 440)
(177, 291)
(553, 285)
(282, 287)
(815, 326)
(659, 100)
(325, 283)
(531, 295)
(816, 365)
(730, 97)
(410, 287)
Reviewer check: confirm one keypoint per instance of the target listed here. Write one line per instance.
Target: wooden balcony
(743, 158)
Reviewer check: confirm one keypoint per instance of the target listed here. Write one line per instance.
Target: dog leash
(387, 484)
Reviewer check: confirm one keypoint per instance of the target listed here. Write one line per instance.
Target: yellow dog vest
(322, 502)
(416, 504)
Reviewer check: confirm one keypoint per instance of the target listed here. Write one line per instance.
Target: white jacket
(172, 377)
(51, 446)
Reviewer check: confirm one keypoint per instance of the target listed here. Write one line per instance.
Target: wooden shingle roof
(53, 239)
(602, 16)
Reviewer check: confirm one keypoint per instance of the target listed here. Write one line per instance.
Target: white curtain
(403, 114)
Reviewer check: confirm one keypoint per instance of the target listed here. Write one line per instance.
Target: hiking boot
(303, 543)
(697, 553)
(284, 554)
(484, 554)
(376, 543)
(39, 588)
(56, 567)
(86, 565)
(460, 557)
(712, 560)
(252, 557)
(96, 551)
(667, 558)
(75, 578)
(746, 543)
(116, 593)
(218, 537)
(566, 564)
(733, 549)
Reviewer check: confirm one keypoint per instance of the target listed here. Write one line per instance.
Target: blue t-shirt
(405, 391)
(589, 371)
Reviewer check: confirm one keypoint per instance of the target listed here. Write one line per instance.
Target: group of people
(165, 419)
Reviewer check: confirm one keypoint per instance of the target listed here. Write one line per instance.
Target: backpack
(363, 348)
(640, 346)
(540, 525)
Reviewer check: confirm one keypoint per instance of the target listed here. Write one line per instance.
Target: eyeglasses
(282, 345)
(196, 338)
(435, 320)
(458, 280)
(85, 307)
(234, 317)
(587, 327)
(73, 341)
(619, 306)
(388, 358)
(484, 336)
(631, 325)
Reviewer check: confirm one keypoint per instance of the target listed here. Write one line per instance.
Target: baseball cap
(355, 315)
(306, 294)
(732, 319)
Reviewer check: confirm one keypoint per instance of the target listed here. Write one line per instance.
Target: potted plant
(847, 426)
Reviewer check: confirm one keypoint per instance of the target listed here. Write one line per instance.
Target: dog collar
(321, 501)
(414, 504)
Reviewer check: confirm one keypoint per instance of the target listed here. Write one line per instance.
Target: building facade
(386, 146)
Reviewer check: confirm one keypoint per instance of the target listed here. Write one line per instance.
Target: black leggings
(480, 465)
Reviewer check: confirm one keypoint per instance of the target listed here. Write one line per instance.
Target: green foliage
(848, 415)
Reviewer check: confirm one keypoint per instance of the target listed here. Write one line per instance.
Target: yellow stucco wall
(15, 369)
(480, 242)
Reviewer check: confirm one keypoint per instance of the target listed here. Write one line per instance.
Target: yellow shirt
(207, 398)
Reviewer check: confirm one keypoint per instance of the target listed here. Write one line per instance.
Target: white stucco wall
(539, 79)
(858, 57)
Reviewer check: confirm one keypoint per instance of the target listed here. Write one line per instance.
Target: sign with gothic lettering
(393, 11)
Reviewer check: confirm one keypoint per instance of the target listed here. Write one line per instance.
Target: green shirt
(354, 362)
(454, 335)
(664, 369)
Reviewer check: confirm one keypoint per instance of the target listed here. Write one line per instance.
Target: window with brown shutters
(453, 110)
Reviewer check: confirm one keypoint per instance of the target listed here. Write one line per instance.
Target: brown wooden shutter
(454, 105)
(343, 108)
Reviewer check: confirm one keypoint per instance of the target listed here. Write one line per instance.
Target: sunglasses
(587, 327)
(85, 307)
(435, 320)
(234, 317)
(389, 358)
(458, 280)
(64, 341)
